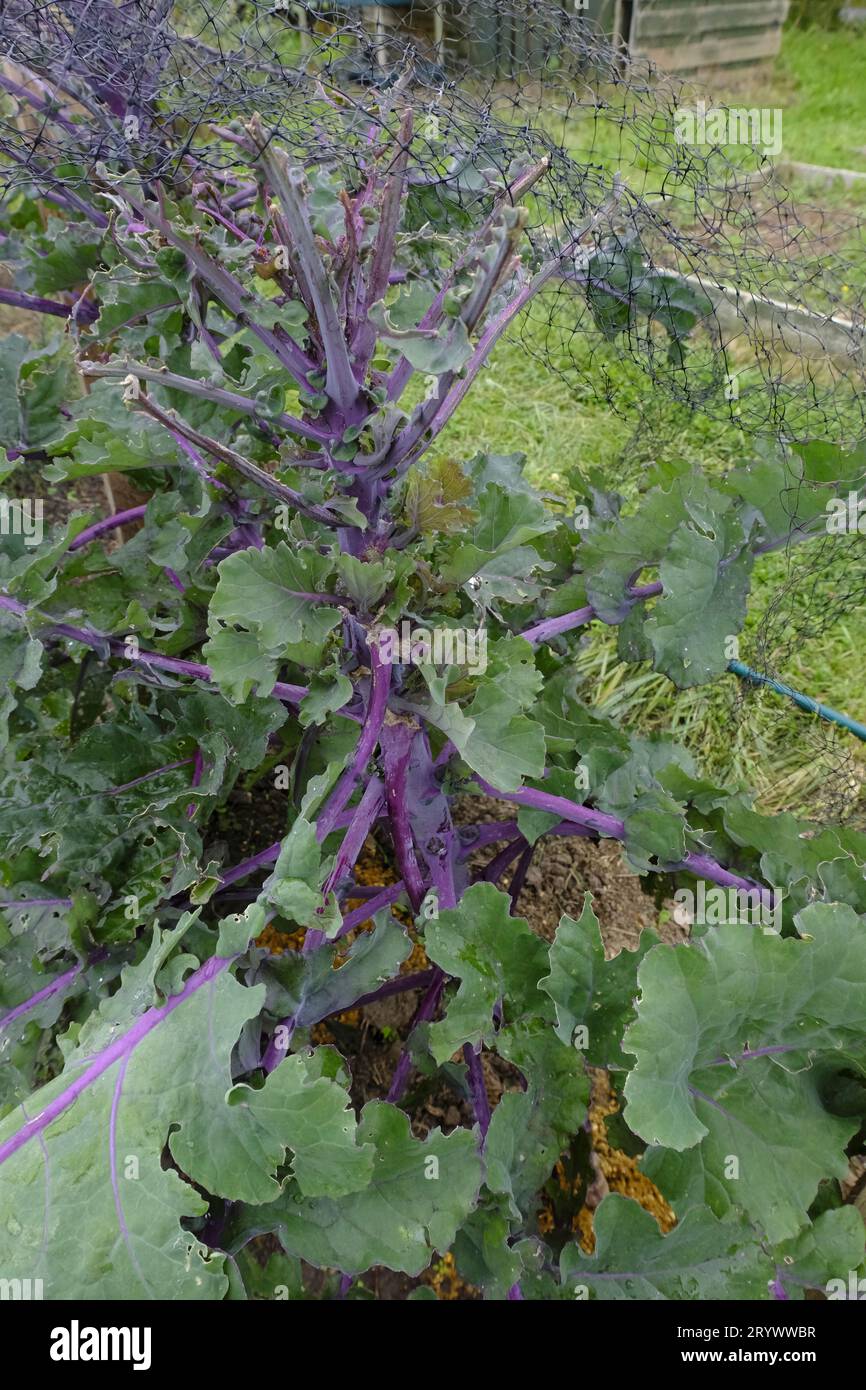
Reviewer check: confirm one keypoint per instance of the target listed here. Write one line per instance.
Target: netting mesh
(158, 92)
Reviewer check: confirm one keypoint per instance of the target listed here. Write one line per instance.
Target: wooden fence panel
(686, 34)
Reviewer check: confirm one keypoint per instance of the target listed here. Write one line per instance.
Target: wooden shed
(680, 35)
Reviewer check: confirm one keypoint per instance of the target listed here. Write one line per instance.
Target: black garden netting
(689, 259)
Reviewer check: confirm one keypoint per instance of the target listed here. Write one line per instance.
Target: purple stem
(86, 312)
(108, 523)
(432, 418)
(497, 866)
(362, 822)
(778, 1289)
(382, 899)
(223, 221)
(486, 833)
(59, 982)
(39, 103)
(477, 1089)
(26, 903)
(278, 1047)
(426, 1010)
(288, 184)
(751, 1052)
(123, 1046)
(281, 691)
(380, 686)
(433, 829)
(262, 860)
(515, 1294)
(552, 627)
(518, 879)
(509, 196)
(383, 253)
(245, 195)
(197, 461)
(419, 434)
(397, 739)
(247, 469)
(395, 986)
(136, 781)
(198, 772)
(701, 865)
(205, 390)
(231, 293)
(277, 1050)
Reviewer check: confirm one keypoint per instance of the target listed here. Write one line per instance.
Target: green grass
(820, 83)
(739, 736)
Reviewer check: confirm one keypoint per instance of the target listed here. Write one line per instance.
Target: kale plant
(321, 597)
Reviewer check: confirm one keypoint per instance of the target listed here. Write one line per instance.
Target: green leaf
(329, 691)
(144, 1076)
(238, 664)
(529, 1129)
(301, 1109)
(434, 351)
(701, 1258)
(280, 1277)
(482, 1251)
(829, 1249)
(419, 1195)
(531, 823)
(589, 992)
(125, 295)
(791, 489)
(309, 988)
(703, 605)
(295, 886)
(365, 580)
(265, 591)
(728, 1039)
(34, 382)
(505, 521)
(501, 749)
(693, 533)
(20, 668)
(496, 958)
(623, 286)
(685, 1181)
(498, 741)
(104, 435)
(66, 260)
(655, 831)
